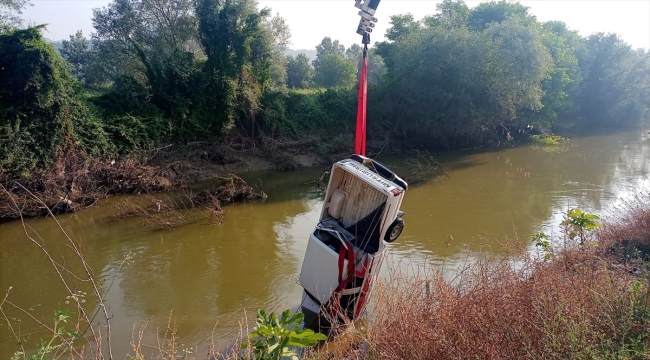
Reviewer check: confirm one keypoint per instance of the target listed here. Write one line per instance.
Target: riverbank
(75, 181)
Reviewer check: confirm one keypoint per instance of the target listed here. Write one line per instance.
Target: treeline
(158, 71)
(463, 74)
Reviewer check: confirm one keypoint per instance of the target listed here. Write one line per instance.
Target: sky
(311, 20)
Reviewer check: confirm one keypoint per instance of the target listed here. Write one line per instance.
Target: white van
(361, 212)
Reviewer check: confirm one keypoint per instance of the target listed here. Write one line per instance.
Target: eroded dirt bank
(75, 180)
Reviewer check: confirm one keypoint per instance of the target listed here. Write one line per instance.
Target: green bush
(131, 120)
(549, 140)
(41, 109)
(274, 338)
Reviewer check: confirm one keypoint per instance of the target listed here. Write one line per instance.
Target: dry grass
(168, 213)
(583, 302)
(424, 167)
(74, 182)
(585, 310)
(154, 212)
(626, 230)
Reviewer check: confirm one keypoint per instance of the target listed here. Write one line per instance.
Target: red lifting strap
(360, 141)
(346, 250)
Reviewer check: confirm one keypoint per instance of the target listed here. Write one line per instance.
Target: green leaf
(272, 348)
(297, 318)
(273, 334)
(285, 316)
(264, 331)
(287, 352)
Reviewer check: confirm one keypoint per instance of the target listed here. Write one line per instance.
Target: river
(207, 277)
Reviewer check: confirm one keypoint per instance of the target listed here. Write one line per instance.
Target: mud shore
(75, 181)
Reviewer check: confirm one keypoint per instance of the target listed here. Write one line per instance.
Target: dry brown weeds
(582, 303)
(154, 212)
(76, 181)
(626, 229)
(168, 213)
(424, 167)
(500, 313)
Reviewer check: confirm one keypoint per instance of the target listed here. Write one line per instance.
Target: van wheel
(394, 230)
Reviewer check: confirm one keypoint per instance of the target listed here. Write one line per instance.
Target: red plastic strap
(342, 252)
(346, 250)
(360, 140)
(363, 295)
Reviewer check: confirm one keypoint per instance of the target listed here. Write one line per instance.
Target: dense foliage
(463, 74)
(157, 71)
(41, 111)
(299, 72)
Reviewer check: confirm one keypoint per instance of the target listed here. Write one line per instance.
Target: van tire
(394, 230)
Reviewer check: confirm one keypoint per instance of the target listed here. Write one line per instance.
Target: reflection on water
(212, 274)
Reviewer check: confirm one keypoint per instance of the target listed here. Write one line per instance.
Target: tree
(206, 64)
(376, 67)
(9, 14)
(616, 85)
(515, 64)
(451, 13)
(239, 52)
(327, 46)
(448, 84)
(401, 27)
(76, 52)
(153, 41)
(334, 67)
(40, 112)
(279, 31)
(354, 52)
(299, 72)
(433, 89)
(564, 77)
(280, 34)
(335, 70)
(157, 33)
(496, 12)
(279, 70)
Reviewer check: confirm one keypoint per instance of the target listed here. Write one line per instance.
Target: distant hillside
(311, 54)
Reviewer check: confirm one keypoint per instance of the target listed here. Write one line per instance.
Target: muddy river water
(208, 277)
